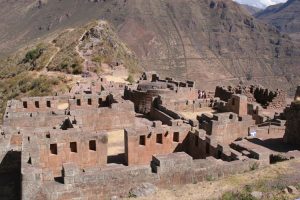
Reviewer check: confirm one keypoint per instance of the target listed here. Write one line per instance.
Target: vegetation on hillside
(24, 73)
(28, 84)
(67, 59)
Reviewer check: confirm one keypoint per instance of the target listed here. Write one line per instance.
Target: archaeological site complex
(103, 138)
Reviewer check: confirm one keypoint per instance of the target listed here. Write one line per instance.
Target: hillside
(285, 17)
(56, 63)
(210, 41)
(251, 9)
(262, 4)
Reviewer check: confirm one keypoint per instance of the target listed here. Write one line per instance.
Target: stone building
(255, 93)
(292, 113)
(64, 140)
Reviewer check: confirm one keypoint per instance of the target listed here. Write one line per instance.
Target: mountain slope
(285, 17)
(259, 3)
(210, 41)
(54, 64)
(251, 9)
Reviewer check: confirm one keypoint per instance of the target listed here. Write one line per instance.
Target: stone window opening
(48, 104)
(29, 161)
(176, 137)
(90, 102)
(159, 138)
(53, 149)
(142, 140)
(73, 147)
(25, 104)
(78, 102)
(207, 149)
(92, 145)
(233, 102)
(37, 104)
(196, 141)
(99, 102)
(219, 156)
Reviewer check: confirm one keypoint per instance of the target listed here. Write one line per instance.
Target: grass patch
(130, 79)
(243, 195)
(32, 55)
(67, 59)
(25, 84)
(254, 166)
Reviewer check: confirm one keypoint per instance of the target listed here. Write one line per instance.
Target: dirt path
(51, 58)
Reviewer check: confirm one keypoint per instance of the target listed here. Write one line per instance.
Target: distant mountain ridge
(285, 17)
(210, 41)
(262, 4)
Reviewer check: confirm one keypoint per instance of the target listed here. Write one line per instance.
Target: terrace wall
(165, 171)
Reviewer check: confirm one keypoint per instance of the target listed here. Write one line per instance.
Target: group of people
(202, 94)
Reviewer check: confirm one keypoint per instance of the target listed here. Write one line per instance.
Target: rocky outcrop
(100, 44)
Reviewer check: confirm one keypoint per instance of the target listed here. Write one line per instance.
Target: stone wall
(255, 93)
(165, 171)
(118, 116)
(292, 133)
(142, 143)
(188, 105)
(237, 104)
(224, 128)
(48, 151)
(297, 95)
(151, 86)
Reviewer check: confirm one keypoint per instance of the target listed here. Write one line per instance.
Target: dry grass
(265, 180)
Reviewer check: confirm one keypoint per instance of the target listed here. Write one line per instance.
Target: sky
(260, 3)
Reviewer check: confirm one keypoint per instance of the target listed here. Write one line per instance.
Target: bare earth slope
(251, 9)
(210, 41)
(286, 17)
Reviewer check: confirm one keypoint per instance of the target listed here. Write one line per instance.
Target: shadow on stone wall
(10, 176)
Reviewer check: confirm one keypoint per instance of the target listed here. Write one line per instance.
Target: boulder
(292, 190)
(257, 195)
(143, 190)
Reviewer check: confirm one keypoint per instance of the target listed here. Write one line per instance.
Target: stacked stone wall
(292, 133)
(48, 151)
(140, 145)
(166, 171)
(255, 93)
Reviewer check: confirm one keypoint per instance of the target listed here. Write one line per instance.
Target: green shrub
(237, 196)
(254, 166)
(32, 55)
(210, 177)
(130, 79)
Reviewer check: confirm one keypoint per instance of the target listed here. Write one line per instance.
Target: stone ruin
(64, 141)
(292, 114)
(255, 93)
(297, 95)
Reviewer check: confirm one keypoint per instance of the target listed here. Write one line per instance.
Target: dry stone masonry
(64, 146)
